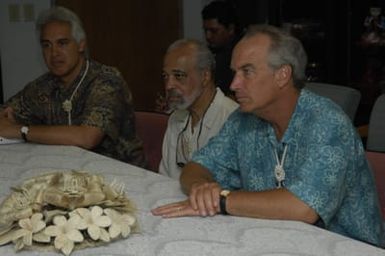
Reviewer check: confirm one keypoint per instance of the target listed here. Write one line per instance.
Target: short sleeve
(105, 105)
(320, 181)
(220, 156)
(28, 110)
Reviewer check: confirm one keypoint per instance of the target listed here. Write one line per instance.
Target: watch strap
(24, 131)
(222, 201)
(222, 205)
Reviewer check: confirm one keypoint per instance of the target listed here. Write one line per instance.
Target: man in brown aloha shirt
(78, 102)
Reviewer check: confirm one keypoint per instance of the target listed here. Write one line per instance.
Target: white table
(219, 235)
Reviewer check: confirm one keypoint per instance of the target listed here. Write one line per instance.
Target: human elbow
(90, 138)
(309, 216)
(90, 143)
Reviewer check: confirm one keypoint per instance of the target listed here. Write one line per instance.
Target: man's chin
(57, 72)
(244, 108)
(215, 47)
(178, 106)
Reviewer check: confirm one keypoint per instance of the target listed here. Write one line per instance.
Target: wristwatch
(222, 201)
(24, 132)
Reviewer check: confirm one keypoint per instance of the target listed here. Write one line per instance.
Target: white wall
(192, 20)
(21, 59)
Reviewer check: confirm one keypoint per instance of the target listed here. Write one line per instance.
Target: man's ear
(283, 75)
(231, 29)
(82, 45)
(206, 77)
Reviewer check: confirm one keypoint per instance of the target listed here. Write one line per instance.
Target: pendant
(67, 106)
(279, 173)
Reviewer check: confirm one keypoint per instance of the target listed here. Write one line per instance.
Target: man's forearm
(194, 173)
(83, 136)
(270, 204)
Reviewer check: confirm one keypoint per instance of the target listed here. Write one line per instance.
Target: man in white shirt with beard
(200, 109)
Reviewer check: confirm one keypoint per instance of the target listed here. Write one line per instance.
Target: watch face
(225, 193)
(24, 129)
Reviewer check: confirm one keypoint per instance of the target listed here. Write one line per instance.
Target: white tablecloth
(219, 235)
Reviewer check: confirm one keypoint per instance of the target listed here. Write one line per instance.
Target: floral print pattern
(325, 164)
(103, 100)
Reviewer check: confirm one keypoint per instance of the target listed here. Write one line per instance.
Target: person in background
(199, 108)
(286, 153)
(78, 102)
(221, 29)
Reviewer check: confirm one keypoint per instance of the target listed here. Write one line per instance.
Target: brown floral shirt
(102, 100)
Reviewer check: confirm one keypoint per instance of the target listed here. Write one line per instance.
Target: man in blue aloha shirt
(286, 153)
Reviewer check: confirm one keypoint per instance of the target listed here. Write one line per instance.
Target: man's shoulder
(42, 81)
(223, 102)
(321, 109)
(105, 71)
(103, 77)
(319, 115)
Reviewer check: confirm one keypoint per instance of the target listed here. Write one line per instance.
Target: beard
(176, 100)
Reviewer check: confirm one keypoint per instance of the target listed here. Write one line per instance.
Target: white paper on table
(9, 141)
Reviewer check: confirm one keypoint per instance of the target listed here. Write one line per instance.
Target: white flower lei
(66, 210)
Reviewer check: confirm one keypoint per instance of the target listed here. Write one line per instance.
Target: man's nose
(54, 50)
(236, 83)
(169, 82)
(208, 35)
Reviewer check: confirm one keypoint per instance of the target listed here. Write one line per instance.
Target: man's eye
(179, 76)
(63, 43)
(247, 71)
(164, 76)
(210, 30)
(45, 45)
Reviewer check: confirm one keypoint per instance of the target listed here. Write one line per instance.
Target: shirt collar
(296, 117)
(288, 136)
(57, 82)
(181, 116)
(210, 118)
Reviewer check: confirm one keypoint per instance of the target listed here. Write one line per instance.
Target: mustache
(173, 93)
(175, 99)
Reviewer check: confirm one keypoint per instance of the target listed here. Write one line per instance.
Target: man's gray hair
(284, 50)
(204, 58)
(61, 14)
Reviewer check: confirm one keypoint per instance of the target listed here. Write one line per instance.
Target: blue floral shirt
(325, 164)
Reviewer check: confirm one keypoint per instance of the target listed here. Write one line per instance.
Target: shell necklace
(67, 104)
(279, 172)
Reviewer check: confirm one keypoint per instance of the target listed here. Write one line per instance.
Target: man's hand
(8, 126)
(204, 198)
(178, 209)
(8, 113)
(203, 201)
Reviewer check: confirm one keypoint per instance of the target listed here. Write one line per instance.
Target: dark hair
(223, 11)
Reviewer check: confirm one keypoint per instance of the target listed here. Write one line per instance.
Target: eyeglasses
(183, 147)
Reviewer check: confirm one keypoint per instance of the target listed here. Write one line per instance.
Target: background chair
(346, 97)
(150, 128)
(376, 130)
(377, 163)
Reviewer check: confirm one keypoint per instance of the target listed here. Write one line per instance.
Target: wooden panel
(131, 35)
